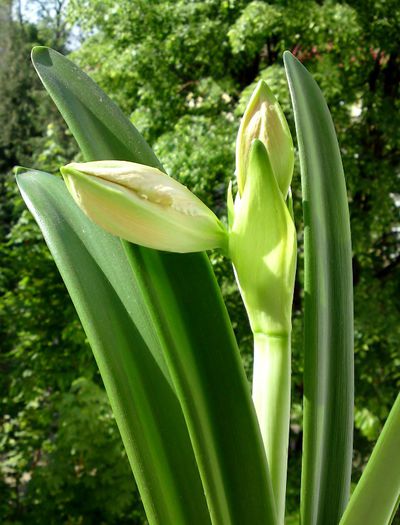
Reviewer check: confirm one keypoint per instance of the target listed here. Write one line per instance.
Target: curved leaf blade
(98, 125)
(99, 280)
(377, 494)
(328, 317)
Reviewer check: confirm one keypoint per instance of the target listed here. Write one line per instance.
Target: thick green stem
(271, 396)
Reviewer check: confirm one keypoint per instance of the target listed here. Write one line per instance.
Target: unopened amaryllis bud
(263, 119)
(143, 205)
(262, 245)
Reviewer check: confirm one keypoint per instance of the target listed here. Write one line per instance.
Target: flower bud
(143, 205)
(262, 245)
(264, 120)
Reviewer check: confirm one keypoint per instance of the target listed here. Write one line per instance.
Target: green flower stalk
(262, 245)
(143, 205)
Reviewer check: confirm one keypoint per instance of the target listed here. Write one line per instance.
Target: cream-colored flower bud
(143, 205)
(264, 120)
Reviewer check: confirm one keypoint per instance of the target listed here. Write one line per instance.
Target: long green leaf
(185, 305)
(376, 496)
(105, 294)
(328, 321)
(211, 386)
(98, 125)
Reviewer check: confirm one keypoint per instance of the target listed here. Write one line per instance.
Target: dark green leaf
(328, 321)
(377, 494)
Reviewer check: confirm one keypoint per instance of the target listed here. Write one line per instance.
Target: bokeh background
(183, 71)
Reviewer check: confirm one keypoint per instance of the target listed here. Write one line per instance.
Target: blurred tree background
(183, 70)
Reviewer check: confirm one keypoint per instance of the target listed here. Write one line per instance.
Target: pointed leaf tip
(290, 58)
(38, 51)
(287, 55)
(19, 170)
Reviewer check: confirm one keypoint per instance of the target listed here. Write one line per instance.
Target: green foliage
(257, 21)
(153, 58)
(160, 76)
(204, 168)
(16, 81)
(65, 481)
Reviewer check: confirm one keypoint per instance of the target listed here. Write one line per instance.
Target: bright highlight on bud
(262, 245)
(143, 205)
(264, 120)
